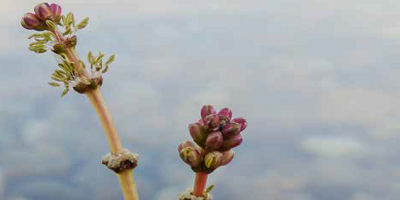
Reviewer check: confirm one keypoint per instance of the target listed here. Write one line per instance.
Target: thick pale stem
(73, 57)
(97, 100)
(128, 185)
(200, 184)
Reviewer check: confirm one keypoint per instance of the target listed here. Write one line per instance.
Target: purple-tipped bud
(43, 11)
(231, 129)
(56, 12)
(30, 21)
(242, 121)
(213, 159)
(201, 122)
(232, 142)
(211, 121)
(214, 140)
(225, 114)
(227, 157)
(191, 156)
(198, 133)
(186, 144)
(207, 110)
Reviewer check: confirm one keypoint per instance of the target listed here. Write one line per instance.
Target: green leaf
(56, 78)
(85, 80)
(64, 67)
(63, 19)
(35, 35)
(90, 57)
(99, 57)
(208, 190)
(51, 24)
(43, 37)
(67, 31)
(66, 90)
(37, 43)
(54, 84)
(69, 21)
(105, 69)
(40, 51)
(83, 64)
(110, 60)
(83, 23)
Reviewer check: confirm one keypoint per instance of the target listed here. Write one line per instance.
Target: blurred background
(318, 82)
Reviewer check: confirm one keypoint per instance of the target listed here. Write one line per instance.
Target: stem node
(118, 162)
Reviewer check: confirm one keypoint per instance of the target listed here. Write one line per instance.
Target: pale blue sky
(318, 82)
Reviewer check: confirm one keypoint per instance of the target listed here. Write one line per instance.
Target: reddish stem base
(200, 184)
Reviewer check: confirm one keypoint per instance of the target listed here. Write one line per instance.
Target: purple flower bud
(214, 140)
(30, 21)
(225, 114)
(198, 133)
(227, 157)
(242, 121)
(43, 11)
(191, 156)
(212, 160)
(211, 121)
(186, 144)
(207, 110)
(231, 129)
(232, 142)
(201, 122)
(56, 12)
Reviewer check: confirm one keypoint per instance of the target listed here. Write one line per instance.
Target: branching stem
(128, 185)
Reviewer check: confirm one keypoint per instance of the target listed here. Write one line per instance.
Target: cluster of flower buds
(43, 13)
(48, 18)
(215, 134)
(59, 36)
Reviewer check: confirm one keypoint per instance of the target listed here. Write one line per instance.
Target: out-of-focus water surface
(318, 82)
